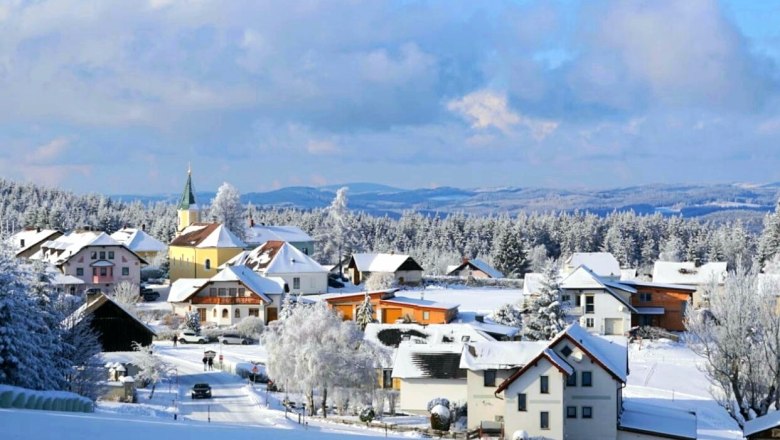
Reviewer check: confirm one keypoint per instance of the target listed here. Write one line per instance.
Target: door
(391, 315)
(271, 314)
(613, 326)
(202, 315)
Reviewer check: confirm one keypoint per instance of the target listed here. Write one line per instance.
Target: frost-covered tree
(251, 327)
(151, 369)
(126, 294)
(82, 353)
(364, 314)
(509, 315)
(379, 281)
(509, 256)
(739, 338)
(547, 315)
(337, 235)
(314, 350)
(288, 305)
(226, 209)
(192, 321)
(537, 258)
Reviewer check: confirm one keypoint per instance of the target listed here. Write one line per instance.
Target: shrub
(367, 414)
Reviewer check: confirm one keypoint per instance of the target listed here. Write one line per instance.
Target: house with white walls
(600, 305)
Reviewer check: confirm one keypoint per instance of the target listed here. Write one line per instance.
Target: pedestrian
(211, 364)
(175, 339)
(204, 363)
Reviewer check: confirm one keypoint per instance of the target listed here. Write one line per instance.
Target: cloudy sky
(119, 96)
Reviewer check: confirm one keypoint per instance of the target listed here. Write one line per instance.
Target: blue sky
(118, 97)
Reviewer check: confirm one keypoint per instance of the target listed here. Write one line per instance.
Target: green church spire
(188, 196)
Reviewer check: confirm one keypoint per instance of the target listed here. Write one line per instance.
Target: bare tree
(126, 294)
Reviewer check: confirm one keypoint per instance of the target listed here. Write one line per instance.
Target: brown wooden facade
(672, 300)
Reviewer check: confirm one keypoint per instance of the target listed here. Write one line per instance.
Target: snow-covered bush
(192, 322)
(379, 281)
(509, 315)
(441, 417)
(250, 327)
(367, 414)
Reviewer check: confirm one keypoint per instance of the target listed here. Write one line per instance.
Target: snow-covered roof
(584, 278)
(207, 235)
(768, 421)
(613, 355)
(276, 257)
(259, 234)
(477, 264)
(493, 328)
(627, 274)
(558, 361)
(436, 361)
(650, 419)
(499, 355)
(95, 302)
(532, 283)
(390, 335)
(686, 272)
(183, 288)
(31, 237)
(63, 248)
(137, 240)
(380, 262)
(637, 283)
(601, 263)
(650, 310)
(420, 303)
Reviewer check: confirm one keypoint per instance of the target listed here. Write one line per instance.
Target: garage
(391, 315)
(613, 326)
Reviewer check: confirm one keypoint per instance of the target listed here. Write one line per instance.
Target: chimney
(465, 260)
(38, 229)
(479, 318)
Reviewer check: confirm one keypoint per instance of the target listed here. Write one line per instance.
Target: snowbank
(15, 397)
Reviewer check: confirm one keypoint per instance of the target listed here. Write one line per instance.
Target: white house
(601, 306)
(255, 235)
(281, 259)
(567, 388)
(403, 267)
(426, 371)
(474, 268)
(93, 257)
(28, 241)
(688, 273)
(603, 264)
(228, 297)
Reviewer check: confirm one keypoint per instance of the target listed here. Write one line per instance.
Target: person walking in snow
(211, 364)
(175, 339)
(204, 363)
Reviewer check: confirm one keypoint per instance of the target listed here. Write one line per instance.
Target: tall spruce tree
(509, 256)
(364, 314)
(547, 315)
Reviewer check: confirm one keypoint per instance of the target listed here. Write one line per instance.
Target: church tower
(188, 210)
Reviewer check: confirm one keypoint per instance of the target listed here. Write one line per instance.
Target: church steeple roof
(188, 196)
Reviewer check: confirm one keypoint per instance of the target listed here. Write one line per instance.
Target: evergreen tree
(226, 209)
(192, 322)
(509, 256)
(509, 315)
(547, 315)
(364, 314)
(287, 307)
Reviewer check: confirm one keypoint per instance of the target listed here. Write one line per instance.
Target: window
(589, 322)
(571, 380)
(94, 255)
(426, 315)
(577, 300)
(222, 291)
(544, 384)
(232, 292)
(207, 264)
(645, 297)
(587, 412)
(521, 406)
(566, 351)
(387, 378)
(306, 251)
(254, 312)
(125, 271)
(296, 283)
(465, 338)
(21, 242)
(103, 271)
(79, 271)
(225, 313)
(571, 412)
(110, 255)
(490, 378)
(242, 292)
(589, 306)
(587, 379)
(566, 298)
(237, 314)
(102, 255)
(212, 291)
(544, 420)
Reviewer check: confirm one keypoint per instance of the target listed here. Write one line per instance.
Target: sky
(120, 97)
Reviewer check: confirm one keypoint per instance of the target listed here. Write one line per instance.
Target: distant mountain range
(712, 201)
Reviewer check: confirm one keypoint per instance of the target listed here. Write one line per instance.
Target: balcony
(102, 279)
(226, 300)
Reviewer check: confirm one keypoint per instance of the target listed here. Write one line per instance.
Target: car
(151, 295)
(201, 391)
(190, 337)
(232, 338)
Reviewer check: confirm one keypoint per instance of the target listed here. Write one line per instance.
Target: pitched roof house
(200, 249)
(425, 371)
(228, 297)
(403, 267)
(256, 235)
(389, 308)
(93, 257)
(117, 329)
(281, 259)
(603, 264)
(570, 387)
(687, 273)
(138, 241)
(474, 268)
(28, 241)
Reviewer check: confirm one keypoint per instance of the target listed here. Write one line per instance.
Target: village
(466, 354)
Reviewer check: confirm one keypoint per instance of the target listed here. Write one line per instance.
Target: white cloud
(322, 147)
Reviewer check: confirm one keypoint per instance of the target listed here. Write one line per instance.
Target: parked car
(232, 338)
(190, 337)
(201, 391)
(151, 295)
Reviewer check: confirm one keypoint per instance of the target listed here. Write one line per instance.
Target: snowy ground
(665, 373)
